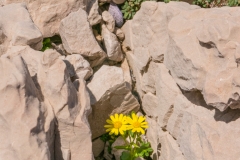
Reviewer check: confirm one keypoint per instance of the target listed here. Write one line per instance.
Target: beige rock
(113, 47)
(113, 96)
(110, 21)
(118, 152)
(126, 73)
(47, 15)
(70, 107)
(149, 78)
(78, 67)
(203, 133)
(118, 1)
(94, 17)
(127, 30)
(98, 147)
(22, 134)
(119, 33)
(66, 108)
(107, 155)
(97, 36)
(17, 28)
(77, 38)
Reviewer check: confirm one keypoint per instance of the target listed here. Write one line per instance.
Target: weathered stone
(77, 38)
(118, 152)
(118, 1)
(127, 30)
(98, 147)
(113, 96)
(17, 28)
(119, 33)
(110, 21)
(113, 47)
(22, 134)
(78, 67)
(47, 15)
(201, 133)
(126, 73)
(94, 17)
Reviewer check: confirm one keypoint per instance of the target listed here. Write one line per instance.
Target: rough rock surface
(17, 28)
(21, 133)
(109, 98)
(187, 80)
(98, 147)
(78, 67)
(77, 37)
(112, 45)
(94, 17)
(47, 15)
(109, 20)
(62, 108)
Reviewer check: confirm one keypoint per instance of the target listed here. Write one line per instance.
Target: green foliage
(47, 42)
(130, 7)
(233, 3)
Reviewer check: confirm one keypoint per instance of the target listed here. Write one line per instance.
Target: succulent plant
(130, 7)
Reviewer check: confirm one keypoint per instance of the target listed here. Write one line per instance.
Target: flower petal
(116, 117)
(120, 117)
(141, 119)
(121, 131)
(109, 129)
(109, 121)
(112, 118)
(108, 126)
(134, 117)
(142, 131)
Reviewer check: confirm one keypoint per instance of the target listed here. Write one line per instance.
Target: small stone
(110, 21)
(119, 33)
(116, 13)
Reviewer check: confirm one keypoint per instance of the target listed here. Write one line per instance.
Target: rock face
(17, 28)
(187, 80)
(77, 37)
(112, 45)
(112, 97)
(47, 15)
(57, 109)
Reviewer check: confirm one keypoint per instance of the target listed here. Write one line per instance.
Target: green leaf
(122, 147)
(125, 156)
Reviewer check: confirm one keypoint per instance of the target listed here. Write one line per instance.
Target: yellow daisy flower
(116, 124)
(137, 124)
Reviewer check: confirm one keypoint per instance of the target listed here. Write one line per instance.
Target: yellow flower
(137, 124)
(116, 124)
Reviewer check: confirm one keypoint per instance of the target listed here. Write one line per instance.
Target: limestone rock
(126, 73)
(119, 33)
(22, 133)
(118, 152)
(47, 15)
(113, 96)
(77, 38)
(110, 21)
(207, 129)
(113, 47)
(94, 17)
(17, 28)
(98, 147)
(127, 30)
(78, 67)
(118, 1)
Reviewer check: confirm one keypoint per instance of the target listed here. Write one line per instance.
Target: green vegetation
(47, 42)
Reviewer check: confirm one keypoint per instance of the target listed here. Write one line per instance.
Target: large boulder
(17, 28)
(112, 96)
(22, 132)
(47, 14)
(78, 38)
(65, 108)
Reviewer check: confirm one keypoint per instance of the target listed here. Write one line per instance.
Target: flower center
(117, 124)
(136, 125)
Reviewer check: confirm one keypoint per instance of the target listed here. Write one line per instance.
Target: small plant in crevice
(130, 7)
(130, 128)
(47, 42)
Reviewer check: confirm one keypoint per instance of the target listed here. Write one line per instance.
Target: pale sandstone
(94, 17)
(112, 45)
(109, 20)
(77, 38)
(119, 33)
(47, 15)
(109, 98)
(78, 67)
(17, 28)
